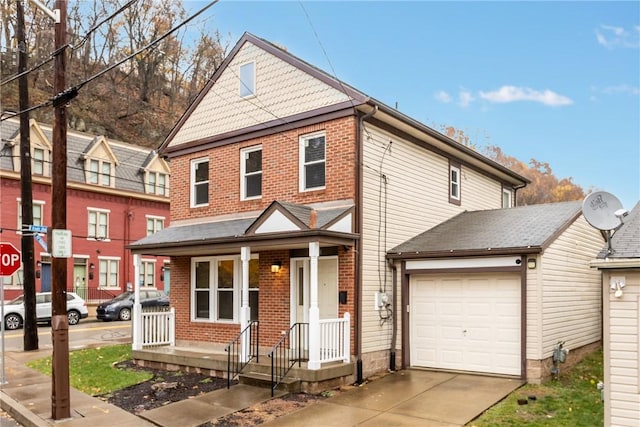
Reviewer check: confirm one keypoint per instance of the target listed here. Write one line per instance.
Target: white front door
(327, 289)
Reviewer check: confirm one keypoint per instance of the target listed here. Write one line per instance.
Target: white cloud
(443, 96)
(465, 98)
(611, 36)
(512, 94)
(610, 90)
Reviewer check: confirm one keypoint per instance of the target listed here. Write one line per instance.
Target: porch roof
(229, 235)
(520, 230)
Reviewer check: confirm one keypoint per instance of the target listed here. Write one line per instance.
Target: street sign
(9, 259)
(38, 228)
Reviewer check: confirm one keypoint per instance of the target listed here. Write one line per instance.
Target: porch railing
(158, 326)
(291, 348)
(94, 294)
(335, 339)
(235, 364)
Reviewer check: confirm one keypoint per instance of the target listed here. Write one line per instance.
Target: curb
(20, 413)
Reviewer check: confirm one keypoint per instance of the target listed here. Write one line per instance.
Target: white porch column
(137, 308)
(314, 311)
(245, 310)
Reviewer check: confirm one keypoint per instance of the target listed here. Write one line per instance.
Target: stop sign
(9, 259)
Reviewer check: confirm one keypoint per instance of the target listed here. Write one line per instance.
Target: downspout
(515, 193)
(358, 244)
(394, 327)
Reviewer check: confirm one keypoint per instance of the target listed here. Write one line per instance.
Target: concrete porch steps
(257, 379)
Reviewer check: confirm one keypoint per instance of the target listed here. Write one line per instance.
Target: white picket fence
(157, 327)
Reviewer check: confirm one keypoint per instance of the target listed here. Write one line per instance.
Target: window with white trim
(216, 287)
(98, 224)
(157, 183)
(147, 273)
(251, 173)
(154, 224)
(248, 79)
(38, 161)
(108, 273)
(507, 198)
(312, 162)
(454, 183)
(100, 172)
(199, 182)
(38, 212)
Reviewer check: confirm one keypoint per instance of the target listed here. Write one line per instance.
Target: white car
(14, 310)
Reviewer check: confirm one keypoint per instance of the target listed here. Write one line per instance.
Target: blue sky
(555, 81)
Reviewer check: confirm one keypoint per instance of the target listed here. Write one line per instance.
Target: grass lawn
(92, 371)
(572, 401)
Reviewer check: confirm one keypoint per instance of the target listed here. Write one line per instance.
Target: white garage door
(467, 322)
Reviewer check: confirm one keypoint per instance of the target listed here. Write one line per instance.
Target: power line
(68, 94)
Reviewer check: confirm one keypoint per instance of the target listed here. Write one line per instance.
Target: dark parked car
(121, 307)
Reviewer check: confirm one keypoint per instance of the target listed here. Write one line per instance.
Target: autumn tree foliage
(545, 187)
(139, 100)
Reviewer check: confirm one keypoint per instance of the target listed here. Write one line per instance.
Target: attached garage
(466, 322)
(495, 291)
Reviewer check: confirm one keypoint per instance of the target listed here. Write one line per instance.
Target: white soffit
(343, 225)
(432, 264)
(277, 222)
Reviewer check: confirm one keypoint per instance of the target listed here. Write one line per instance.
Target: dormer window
(100, 172)
(38, 161)
(157, 183)
(248, 79)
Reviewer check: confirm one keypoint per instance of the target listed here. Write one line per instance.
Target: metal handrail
(234, 364)
(284, 357)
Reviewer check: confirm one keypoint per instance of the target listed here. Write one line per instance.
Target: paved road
(89, 332)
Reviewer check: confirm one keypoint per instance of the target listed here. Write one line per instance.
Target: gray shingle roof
(523, 227)
(194, 233)
(626, 241)
(131, 158)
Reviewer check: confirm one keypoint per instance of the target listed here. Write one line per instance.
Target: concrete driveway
(407, 398)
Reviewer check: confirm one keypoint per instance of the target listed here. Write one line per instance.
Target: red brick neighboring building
(117, 193)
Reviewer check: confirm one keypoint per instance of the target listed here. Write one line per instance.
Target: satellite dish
(602, 210)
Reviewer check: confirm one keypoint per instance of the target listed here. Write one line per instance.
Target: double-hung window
(154, 224)
(99, 172)
(157, 183)
(312, 162)
(454, 183)
(147, 273)
(251, 173)
(38, 161)
(199, 182)
(98, 224)
(108, 273)
(507, 198)
(38, 208)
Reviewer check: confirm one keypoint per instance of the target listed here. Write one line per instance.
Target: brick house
(117, 193)
(288, 189)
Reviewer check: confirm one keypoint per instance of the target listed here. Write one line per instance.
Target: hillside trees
(138, 101)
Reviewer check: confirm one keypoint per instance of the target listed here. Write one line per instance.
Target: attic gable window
(38, 161)
(454, 183)
(312, 162)
(251, 173)
(248, 79)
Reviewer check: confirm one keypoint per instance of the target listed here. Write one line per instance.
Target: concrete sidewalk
(404, 398)
(26, 396)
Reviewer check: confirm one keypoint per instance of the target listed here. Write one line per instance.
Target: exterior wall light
(531, 263)
(91, 268)
(276, 266)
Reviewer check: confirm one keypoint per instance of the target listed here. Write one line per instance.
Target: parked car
(14, 310)
(120, 307)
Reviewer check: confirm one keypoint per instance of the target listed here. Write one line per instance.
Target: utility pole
(30, 337)
(60, 404)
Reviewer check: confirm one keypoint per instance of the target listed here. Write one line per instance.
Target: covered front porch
(274, 300)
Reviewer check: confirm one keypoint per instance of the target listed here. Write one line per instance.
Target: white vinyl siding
(223, 110)
(568, 306)
(417, 199)
(622, 350)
